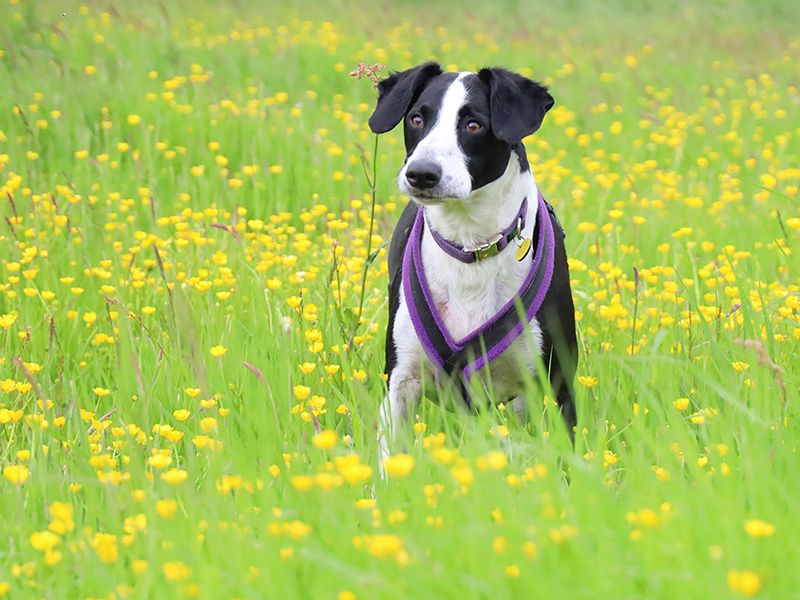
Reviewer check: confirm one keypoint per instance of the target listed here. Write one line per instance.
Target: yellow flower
(295, 529)
(352, 470)
(301, 392)
(9, 416)
(587, 381)
(462, 474)
(443, 455)
(44, 541)
(332, 369)
(160, 461)
(530, 550)
(139, 566)
(192, 392)
(744, 583)
(398, 465)
(101, 392)
(512, 571)
(757, 528)
(176, 571)
(496, 460)
(307, 368)
(218, 351)
(174, 476)
(661, 473)
(134, 120)
(325, 439)
(61, 511)
(166, 508)
(105, 545)
(380, 545)
(740, 366)
(302, 483)
(17, 474)
(181, 414)
(208, 424)
(201, 441)
(681, 404)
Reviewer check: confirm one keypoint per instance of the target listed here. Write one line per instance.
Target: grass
(189, 390)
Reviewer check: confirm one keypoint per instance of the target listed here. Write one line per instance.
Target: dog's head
(460, 128)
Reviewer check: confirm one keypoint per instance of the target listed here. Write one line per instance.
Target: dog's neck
(478, 218)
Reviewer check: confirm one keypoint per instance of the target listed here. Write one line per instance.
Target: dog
(479, 286)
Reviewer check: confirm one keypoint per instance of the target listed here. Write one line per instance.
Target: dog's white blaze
(441, 145)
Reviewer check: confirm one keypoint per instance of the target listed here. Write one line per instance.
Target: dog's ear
(516, 104)
(397, 92)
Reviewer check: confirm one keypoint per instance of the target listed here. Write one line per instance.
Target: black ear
(396, 94)
(516, 104)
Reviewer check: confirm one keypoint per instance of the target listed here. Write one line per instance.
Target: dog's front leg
(405, 388)
(519, 404)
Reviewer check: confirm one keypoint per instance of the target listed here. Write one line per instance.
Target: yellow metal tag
(523, 249)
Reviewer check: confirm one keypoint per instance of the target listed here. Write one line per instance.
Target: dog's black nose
(423, 174)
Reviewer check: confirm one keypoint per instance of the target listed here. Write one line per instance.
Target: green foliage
(192, 307)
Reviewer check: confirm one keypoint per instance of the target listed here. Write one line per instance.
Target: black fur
(518, 105)
(397, 247)
(397, 92)
(559, 343)
(426, 104)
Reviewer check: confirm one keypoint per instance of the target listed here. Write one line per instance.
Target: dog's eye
(473, 126)
(416, 121)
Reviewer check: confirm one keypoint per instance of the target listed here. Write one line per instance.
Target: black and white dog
(479, 282)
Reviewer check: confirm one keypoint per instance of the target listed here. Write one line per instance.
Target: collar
(490, 248)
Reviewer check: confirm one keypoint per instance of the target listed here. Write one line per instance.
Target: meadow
(193, 306)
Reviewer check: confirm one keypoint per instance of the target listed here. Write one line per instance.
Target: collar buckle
(486, 250)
